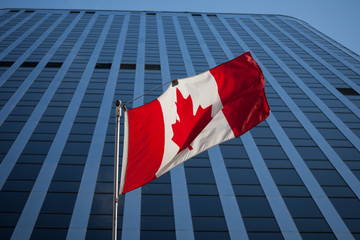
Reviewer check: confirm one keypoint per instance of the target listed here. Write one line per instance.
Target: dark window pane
(266, 235)
(6, 63)
(302, 207)
(211, 235)
(92, 234)
(199, 175)
(347, 207)
(103, 66)
(233, 151)
(53, 220)
(12, 201)
(293, 191)
(104, 187)
(312, 225)
(156, 205)
(68, 172)
(272, 152)
(53, 64)
(248, 190)
(353, 224)
(311, 153)
(158, 188)
(127, 66)
(329, 177)
(9, 219)
(209, 224)
(338, 192)
(44, 233)
(6, 232)
(152, 67)
(242, 176)
(348, 91)
(106, 173)
(318, 236)
(61, 186)
(25, 171)
(197, 162)
(261, 225)
(278, 163)
(59, 203)
(102, 221)
(157, 223)
(198, 189)
(286, 176)
(15, 185)
(102, 204)
(150, 235)
(37, 147)
(29, 64)
(254, 207)
(205, 206)
(76, 148)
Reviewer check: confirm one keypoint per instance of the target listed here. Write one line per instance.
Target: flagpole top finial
(118, 103)
(174, 82)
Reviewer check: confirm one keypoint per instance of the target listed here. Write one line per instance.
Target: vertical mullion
(132, 205)
(81, 212)
(190, 70)
(278, 206)
(232, 214)
(180, 195)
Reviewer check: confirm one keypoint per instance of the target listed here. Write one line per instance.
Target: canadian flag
(198, 113)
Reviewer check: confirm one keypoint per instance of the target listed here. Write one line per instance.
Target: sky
(338, 19)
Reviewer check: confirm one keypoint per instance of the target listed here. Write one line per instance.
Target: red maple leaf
(189, 126)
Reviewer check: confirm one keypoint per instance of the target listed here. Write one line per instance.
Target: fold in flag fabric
(198, 113)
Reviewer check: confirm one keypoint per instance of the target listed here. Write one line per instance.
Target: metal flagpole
(116, 160)
(116, 169)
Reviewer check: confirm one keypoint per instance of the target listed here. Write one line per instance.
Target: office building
(294, 176)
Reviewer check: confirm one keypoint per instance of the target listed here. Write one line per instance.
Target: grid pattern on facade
(294, 176)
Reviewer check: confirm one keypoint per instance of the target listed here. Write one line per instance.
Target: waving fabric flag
(191, 117)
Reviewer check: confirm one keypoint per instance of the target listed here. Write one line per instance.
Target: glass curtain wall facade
(294, 176)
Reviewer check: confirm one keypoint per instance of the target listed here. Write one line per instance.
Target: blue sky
(339, 19)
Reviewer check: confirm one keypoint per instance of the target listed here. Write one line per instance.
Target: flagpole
(116, 169)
